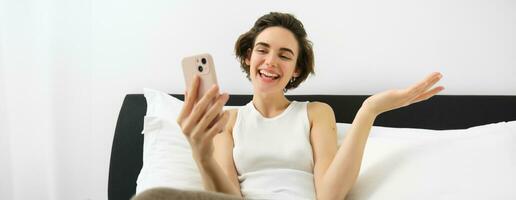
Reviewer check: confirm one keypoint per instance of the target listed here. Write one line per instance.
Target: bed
(441, 112)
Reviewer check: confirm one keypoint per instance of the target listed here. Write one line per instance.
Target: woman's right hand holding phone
(201, 120)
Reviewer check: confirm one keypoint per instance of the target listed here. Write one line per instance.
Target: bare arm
(323, 136)
(224, 153)
(342, 173)
(200, 122)
(215, 179)
(340, 176)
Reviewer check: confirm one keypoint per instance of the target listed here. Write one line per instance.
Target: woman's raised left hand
(397, 98)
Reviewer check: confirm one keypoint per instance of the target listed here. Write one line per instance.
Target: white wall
(5, 149)
(27, 74)
(66, 65)
(367, 46)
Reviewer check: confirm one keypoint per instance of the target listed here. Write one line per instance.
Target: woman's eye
(261, 50)
(285, 57)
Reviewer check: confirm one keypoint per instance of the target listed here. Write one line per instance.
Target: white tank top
(273, 156)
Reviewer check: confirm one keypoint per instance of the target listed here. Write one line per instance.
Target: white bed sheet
(399, 163)
(404, 163)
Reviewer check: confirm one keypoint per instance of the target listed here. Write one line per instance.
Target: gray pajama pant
(171, 193)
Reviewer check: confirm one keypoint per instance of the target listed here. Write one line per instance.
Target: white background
(65, 67)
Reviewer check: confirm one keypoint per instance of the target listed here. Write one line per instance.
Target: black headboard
(439, 112)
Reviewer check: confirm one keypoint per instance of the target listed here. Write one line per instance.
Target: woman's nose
(271, 60)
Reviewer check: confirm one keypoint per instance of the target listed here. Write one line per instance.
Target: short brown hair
(305, 58)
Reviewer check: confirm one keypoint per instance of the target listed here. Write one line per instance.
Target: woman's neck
(270, 105)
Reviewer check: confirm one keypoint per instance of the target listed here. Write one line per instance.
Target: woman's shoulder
(318, 109)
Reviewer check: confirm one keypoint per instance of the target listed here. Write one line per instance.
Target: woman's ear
(297, 72)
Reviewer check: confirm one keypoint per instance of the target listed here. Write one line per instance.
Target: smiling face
(272, 60)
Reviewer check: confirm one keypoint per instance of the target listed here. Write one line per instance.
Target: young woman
(274, 148)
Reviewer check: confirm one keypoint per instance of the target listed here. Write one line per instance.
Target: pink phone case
(203, 66)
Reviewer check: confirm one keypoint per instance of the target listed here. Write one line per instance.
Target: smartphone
(203, 66)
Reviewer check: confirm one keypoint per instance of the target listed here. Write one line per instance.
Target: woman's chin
(268, 89)
(267, 85)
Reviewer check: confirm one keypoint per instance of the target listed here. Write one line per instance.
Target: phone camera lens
(203, 61)
(200, 68)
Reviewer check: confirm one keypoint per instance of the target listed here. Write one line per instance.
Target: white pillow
(399, 163)
(405, 163)
(341, 130)
(167, 155)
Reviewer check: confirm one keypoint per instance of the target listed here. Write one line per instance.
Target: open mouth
(268, 75)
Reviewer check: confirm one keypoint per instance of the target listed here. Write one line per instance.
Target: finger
(422, 86)
(215, 110)
(194, 89)
(219, 126)
(424, 92)
(183, 113)
(217, 118)
(200, 107)
(429, 94)
(433, 80)
(190, 98)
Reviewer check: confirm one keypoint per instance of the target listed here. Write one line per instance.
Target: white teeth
(268, 74)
